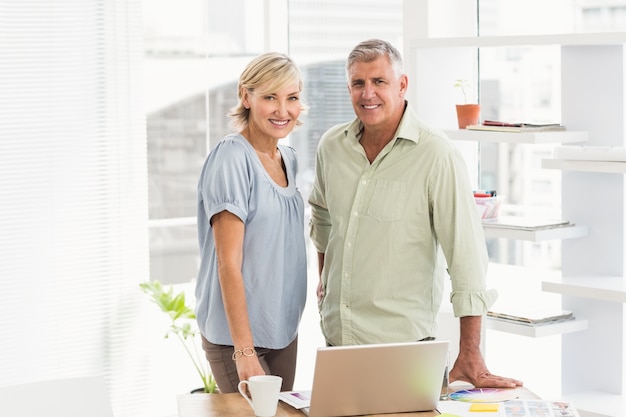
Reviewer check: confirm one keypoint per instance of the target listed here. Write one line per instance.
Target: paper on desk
(296, 399)
(516, 407)
(462, 409)
(536, 408)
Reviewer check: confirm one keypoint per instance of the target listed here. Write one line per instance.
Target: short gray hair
(372, 49)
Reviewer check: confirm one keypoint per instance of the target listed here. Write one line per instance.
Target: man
(391, 199)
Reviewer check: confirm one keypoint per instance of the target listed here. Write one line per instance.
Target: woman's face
(273, 115)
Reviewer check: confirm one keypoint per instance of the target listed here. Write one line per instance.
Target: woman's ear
(245, 98)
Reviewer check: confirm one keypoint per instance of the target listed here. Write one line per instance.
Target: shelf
(573, 39)
(568, 232)
(597, 403)
(587, 166)
(599, 288)
(547, 329)
(516, 285)
(512, 137)
(592, 75)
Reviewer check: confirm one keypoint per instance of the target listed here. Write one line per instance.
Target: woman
(251, 286)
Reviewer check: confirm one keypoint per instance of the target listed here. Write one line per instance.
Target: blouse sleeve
(226, 180)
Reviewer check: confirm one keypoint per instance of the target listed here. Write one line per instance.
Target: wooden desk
(234, 405)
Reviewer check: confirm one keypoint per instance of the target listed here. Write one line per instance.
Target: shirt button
(364, 182)
(356, 213)
(348, 244)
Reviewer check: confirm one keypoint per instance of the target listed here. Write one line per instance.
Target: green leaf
(183, 325)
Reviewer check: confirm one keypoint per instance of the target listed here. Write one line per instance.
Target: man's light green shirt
(383, 228)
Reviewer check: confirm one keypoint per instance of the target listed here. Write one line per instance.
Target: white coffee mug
(264, 390)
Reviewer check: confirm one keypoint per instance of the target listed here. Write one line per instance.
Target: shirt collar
(409, 127)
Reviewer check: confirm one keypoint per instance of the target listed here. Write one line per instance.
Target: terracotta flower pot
(468, 114)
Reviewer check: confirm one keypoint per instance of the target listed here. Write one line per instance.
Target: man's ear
(404, 84)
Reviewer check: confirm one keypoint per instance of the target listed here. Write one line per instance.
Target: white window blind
(73, 190)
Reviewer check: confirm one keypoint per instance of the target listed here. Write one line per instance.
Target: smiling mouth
(279, 122)
(370, 106)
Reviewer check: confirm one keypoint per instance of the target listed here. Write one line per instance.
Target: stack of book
(496, 126)
(531, 316)
(527, 223)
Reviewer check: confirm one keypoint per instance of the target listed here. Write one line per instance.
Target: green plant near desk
(183, 326)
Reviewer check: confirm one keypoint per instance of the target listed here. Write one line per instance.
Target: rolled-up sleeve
(320, 223)
(319, 227)
(472, 303)
(320, 219)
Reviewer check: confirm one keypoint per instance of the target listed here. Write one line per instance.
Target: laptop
(377, 378)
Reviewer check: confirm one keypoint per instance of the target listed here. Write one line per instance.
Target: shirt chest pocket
(388, 200)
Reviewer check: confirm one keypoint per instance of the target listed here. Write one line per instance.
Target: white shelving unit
(592, 282)
(567, 232)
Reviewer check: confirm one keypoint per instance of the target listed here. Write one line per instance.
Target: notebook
(374, 379)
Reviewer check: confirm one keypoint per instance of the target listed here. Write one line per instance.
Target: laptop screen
(378, 378)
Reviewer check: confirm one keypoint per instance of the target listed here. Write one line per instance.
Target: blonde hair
(272, 71)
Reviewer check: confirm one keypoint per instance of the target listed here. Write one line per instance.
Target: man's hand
(320, 285)
(471, 368)
(470, 365)
(320, 291)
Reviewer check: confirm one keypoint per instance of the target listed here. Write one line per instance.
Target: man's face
(377, 93)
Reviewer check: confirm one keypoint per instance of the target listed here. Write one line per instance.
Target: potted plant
(467, 114)
(183, 326)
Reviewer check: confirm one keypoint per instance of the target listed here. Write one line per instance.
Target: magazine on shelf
(495, 126)
(531, 316)
(526, 223)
